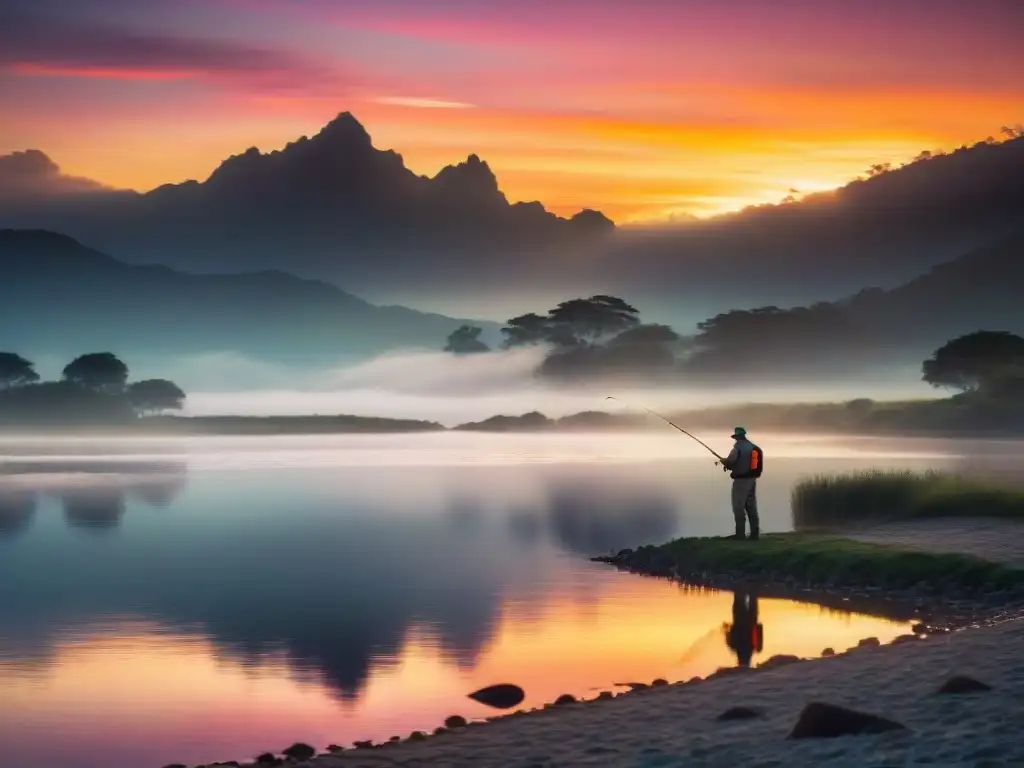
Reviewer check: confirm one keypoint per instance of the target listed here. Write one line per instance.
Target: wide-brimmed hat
(738, 432)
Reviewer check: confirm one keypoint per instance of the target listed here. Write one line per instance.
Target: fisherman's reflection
(745, 636)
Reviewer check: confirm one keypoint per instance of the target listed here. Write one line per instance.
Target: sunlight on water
(209, 599)
(134, 690)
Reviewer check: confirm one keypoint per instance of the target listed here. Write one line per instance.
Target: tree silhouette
(153, 396)
(596, 336)
(526, 330)
(465, 340)
(100, 371)
(573, 323)
(643, 349)
(770, 337)
(978, 362)
(647, 334)
(16, 371)
(591, 321)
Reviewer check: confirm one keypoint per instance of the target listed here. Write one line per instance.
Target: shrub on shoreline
(831, 501)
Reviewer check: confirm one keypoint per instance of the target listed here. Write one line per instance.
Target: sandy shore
(676, 725)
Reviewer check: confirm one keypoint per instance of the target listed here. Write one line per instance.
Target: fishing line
(672, 424)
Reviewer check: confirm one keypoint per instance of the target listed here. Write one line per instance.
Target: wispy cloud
(49, 47)
(417, 103)
(102, 73)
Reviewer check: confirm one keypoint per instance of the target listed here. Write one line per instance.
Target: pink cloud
(783, 42)
(48, 48)
(102, 73)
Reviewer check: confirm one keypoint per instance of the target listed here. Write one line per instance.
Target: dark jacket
(745, 460)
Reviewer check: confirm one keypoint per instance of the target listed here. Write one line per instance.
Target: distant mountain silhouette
(331, 206)
(335, 208)
(979, 290)
(884, 230)
(60, 297)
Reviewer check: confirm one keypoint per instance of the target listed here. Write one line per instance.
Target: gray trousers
(744, 504)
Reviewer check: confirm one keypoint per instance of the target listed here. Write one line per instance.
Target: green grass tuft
(823, 559)
(876, 496)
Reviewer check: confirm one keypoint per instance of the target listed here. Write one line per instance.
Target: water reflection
(97, 508)
(745, 635)
(331, 590)
(294, 599)
(596, 515)
(156, 694)
(93, 493)
(17, 508)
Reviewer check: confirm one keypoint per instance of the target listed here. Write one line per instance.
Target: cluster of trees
(766, 340)
(93, 388)
(598, 335)
(604, 335)
(1008, 133)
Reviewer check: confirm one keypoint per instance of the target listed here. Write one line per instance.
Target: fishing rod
(672, 424)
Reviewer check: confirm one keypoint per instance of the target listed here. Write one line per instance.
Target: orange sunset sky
(645, 110)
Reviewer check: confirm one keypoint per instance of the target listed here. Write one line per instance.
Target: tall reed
(848, 500)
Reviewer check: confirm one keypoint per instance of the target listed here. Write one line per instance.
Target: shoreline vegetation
(820, 557)
(824, 563)
(922, 418)
(872, 497)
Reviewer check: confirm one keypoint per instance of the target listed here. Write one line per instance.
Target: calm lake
(192, 600)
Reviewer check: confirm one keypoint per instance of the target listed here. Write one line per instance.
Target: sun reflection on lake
(149, 694)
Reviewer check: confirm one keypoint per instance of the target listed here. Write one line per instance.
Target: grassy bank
(283, 425)
(822, 560)
(959, 415)
(877, 496)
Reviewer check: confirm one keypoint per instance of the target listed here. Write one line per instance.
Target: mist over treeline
(561, 364)
(430, 385)
(271, 342)
(274, 331)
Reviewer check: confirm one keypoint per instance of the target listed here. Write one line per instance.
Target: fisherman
(745, 462)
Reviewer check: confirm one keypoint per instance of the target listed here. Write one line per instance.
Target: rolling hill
(59, 297)
(875, 328)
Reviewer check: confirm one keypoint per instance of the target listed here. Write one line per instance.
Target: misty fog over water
(454, 389)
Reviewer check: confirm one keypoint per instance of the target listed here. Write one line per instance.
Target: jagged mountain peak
(345, 129)
(472, 177)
